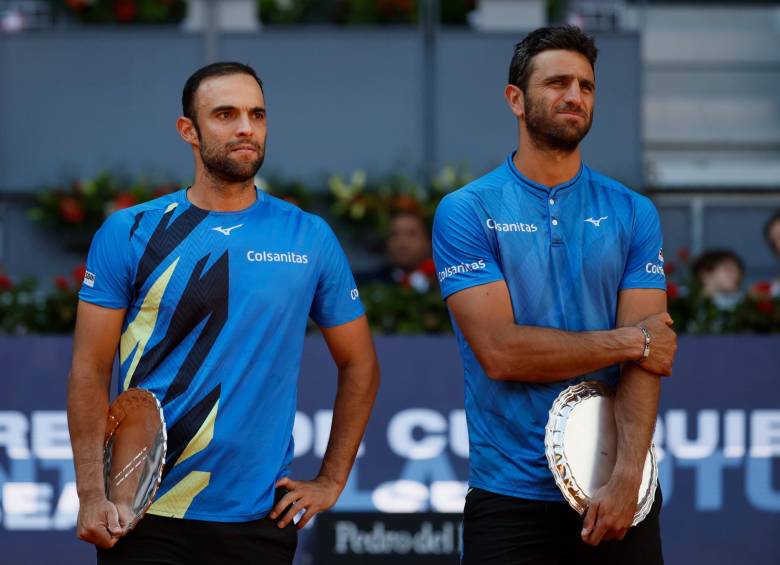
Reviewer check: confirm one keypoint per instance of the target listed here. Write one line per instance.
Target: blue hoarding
(718, 438)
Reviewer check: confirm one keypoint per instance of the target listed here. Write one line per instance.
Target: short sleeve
(461, 249)
(107, 279)
(645, 264)
(336, 299)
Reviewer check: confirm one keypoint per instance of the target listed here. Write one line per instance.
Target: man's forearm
(636, 407)
(357, 390)
(87, 413)
(534, 354)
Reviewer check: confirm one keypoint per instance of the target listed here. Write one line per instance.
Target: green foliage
(76, 212)
(25, 308)
(395, 309)
(367, 205)
(123, 11)
(340, 12)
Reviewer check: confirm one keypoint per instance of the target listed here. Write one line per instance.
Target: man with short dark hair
(207, 292)
(553, 274)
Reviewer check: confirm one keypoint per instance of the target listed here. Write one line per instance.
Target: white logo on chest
(596, 223)
(226, 231)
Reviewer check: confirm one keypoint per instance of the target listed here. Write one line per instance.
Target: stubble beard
(219, 164)
(548, 134)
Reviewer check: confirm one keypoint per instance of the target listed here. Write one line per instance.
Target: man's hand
(611, 511)
(663, 344)
(311, 496)
(98, 522)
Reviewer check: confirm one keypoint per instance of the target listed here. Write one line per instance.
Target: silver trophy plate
(581, 447)
(134, 453)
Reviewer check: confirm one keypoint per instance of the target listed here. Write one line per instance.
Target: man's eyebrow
(554, 78)
(228, 108)
(223, 108)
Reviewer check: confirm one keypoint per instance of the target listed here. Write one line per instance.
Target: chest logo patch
(226, 231)
(596, 223)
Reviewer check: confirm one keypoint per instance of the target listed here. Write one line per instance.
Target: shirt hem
(657, 285)
(183, 514)
(448, 293)
(101, 302)
(333, 324)
(518, 493)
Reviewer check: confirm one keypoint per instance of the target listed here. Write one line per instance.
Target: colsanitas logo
(462, 268)
(268, 257)
(512, 226)
(654, 269)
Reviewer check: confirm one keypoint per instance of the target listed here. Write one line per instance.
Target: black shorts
(499, 529)
(173, 541)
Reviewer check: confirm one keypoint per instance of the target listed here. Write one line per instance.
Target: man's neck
(546, 167)
(210, 193)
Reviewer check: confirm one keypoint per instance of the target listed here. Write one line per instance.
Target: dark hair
(710, 260)
(568, 38)
(211, 71)
(775, 217)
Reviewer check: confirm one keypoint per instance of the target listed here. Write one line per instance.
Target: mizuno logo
(226, 231)
(596, 223)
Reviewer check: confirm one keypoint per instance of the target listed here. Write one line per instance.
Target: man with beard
(553, 274)
(207, 292)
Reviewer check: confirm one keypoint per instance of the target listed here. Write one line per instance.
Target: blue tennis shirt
(565, 253)
(217, 305)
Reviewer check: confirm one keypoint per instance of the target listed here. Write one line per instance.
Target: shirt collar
(537, 189)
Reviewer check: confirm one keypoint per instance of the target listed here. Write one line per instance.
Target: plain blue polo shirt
(565, 253)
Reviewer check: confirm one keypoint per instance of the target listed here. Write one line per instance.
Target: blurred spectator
(719, 273)
(408, 252)
(772, 232)
(770, 289)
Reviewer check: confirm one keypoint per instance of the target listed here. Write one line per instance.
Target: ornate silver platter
(134, 453)
(581, 446)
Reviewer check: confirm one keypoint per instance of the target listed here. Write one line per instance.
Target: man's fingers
(289, 514)
(590, 519)
(283, 503)
(99, 536)
(305, 517)
(285, 482)
(597, 533)
(112, 519)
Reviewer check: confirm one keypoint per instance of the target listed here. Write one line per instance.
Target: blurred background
(377, 109)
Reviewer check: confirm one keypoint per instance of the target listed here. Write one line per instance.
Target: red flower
(125, 10)
(672, 290)
(5, 282)
(765, 306)
(428, 267)
(124, 200)
(61, 283)
(684, 254)
(78, 274)
(77, 5)
(71, 210)
(763, 288)
(406, 203)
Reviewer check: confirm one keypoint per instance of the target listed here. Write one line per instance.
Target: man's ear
(187, 131)
(515, 99)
